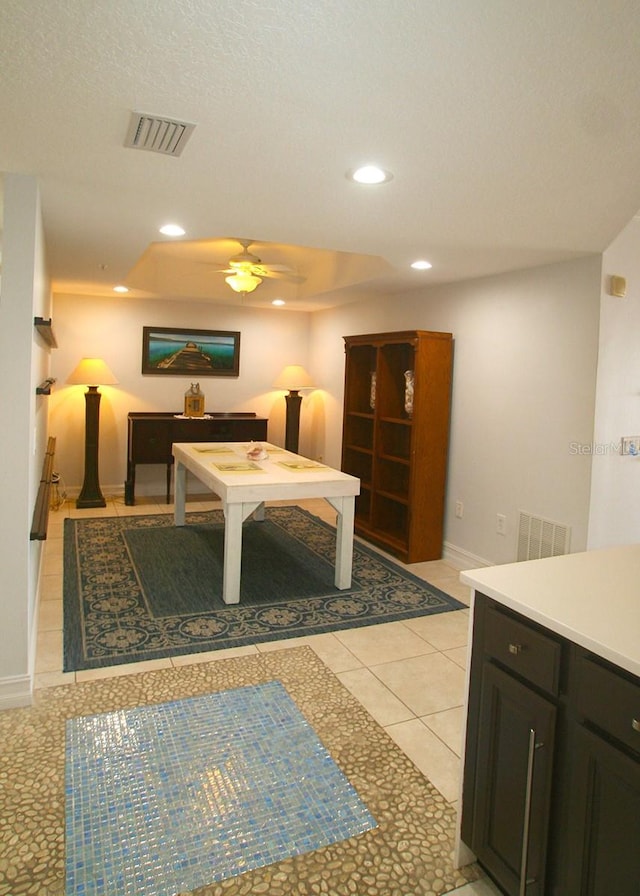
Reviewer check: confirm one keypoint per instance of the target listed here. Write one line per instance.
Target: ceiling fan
(246, 271)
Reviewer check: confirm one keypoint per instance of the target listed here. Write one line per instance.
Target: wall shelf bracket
(45, 387)
(44, 329)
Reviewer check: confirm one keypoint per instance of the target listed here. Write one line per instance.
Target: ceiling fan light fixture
(243, 281)
(421, 265)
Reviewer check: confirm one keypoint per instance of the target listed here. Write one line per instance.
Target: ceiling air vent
(157, 134)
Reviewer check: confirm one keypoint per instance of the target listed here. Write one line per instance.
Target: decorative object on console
(194, 401)
(171, 351)
(293, 378)
(91, 372)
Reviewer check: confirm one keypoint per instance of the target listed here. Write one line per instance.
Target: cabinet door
(604, 820)
(149, 441)
(246, 430)
(513, 782)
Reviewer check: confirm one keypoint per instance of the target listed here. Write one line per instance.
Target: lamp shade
(92, 372)
(294, 377)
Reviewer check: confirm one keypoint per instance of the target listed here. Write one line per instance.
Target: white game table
(244, 485)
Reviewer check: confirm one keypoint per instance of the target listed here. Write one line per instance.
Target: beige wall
(525, 357)
(112, 329)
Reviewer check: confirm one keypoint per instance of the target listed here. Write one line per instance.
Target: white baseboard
(15, 691)
(462, 559)
(72, 492)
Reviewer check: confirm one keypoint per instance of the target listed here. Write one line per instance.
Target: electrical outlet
(630, 445)
(501, 524)
(459, 509)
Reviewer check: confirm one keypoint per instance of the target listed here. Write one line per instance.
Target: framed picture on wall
(169, 351)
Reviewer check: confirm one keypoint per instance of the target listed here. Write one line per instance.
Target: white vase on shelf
(408, 392)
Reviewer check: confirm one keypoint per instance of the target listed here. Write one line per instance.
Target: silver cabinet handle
(515, 649)
(533, 746)
(635, 724)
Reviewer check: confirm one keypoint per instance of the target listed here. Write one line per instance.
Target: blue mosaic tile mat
(166, 798)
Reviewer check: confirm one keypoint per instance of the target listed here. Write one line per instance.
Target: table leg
(181, 494)
(344, 539)
(233, 517)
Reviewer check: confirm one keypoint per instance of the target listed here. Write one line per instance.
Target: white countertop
(591, 598)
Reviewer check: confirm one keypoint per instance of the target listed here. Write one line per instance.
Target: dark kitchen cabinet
(551, 792)
(604, 787)
(511, 742)
(515, 759)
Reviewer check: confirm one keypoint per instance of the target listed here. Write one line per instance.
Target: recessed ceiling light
(421, 265)
(370, 174)
(172, 230)
(278, 302)
(120, 289)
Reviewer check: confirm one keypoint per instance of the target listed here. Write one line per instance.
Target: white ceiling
(512, 129)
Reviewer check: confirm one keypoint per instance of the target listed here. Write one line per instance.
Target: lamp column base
(91, 495)
(292, 426)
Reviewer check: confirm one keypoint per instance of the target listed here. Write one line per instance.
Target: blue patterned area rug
(138, 588)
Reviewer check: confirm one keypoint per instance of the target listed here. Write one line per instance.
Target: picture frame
(173, 351)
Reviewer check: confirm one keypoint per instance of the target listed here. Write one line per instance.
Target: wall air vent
(539, 538)
(157, 134)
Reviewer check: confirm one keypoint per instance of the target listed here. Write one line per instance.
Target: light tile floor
(409, 675)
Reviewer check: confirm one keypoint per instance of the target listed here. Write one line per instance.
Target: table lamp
(293, 378)
(91, 372)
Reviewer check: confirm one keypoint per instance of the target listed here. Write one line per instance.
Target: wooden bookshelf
(398, 451)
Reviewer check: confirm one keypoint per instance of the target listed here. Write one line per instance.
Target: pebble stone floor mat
(408, 853)
(170, 797)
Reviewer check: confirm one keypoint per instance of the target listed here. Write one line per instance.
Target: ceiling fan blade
(281, 275)
(265, 267)
(264, 273)
(248, 263)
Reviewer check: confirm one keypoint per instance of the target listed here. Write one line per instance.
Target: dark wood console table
(150, 437)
